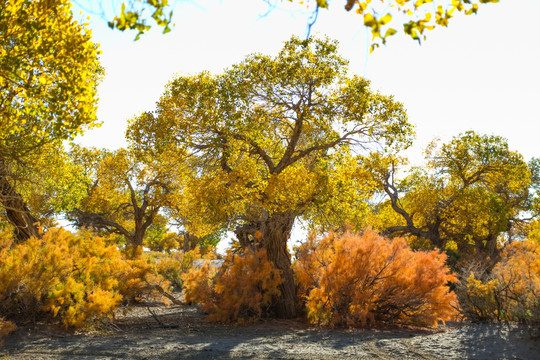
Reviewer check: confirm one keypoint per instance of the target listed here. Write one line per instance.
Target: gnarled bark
(17, 213)
(274, 232)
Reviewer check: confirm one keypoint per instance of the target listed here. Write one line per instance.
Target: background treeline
(272, 141)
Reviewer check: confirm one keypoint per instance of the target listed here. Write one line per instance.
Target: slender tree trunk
(18, 214)
(276, 230)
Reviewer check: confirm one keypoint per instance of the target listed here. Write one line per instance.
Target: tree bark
(190, 241)
(17, 213)
(272, 233)
(276, 230)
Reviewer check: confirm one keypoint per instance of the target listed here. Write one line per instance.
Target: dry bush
(6, 327)
(174, 265)
(240, 291)
(366, 280)
(76, 278)
(510, 291)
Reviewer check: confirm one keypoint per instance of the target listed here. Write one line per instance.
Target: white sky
(482, 73)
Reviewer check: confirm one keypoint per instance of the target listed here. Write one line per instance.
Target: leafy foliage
(267, 140)
(77, 278)
(366, 280)
(125, 192)
(132, 16)
(174, 265)
(416, 16)
(240, 291)
(48, 75)
(510, 291)
(266, 133)
(472, 193)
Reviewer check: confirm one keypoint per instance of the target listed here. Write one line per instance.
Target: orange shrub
(510, 291)
(365, 280)
(240, 291)
(75, 277)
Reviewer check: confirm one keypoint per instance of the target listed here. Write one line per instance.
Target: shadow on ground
(188, 337)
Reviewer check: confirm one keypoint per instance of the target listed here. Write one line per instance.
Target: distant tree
(125, 194)
(472, 195)
(268, 140)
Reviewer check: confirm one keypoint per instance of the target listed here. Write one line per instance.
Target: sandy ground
(180, 333)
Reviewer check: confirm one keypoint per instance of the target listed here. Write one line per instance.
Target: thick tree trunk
(276, 230)
(18, 214)
(487, 247)
(272, 234)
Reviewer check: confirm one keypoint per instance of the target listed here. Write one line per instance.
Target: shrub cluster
(76, 278)
(510, 291)
(240, 291)
(366, 280)
(174, 265)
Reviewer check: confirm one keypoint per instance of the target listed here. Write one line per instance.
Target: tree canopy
(48, 76)
(473, 195)
(268, 136)
(125, 193)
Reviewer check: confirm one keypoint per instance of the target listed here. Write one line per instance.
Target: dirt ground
(179, 332)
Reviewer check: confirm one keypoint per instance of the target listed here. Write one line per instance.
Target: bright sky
(481, 73)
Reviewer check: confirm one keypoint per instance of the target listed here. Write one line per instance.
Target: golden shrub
(77, 278)
(174, 265)
(510, 291)
(240, 291)
(365, 280)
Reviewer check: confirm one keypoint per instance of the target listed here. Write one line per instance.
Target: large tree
(48, 76)
(267, 138)
(473, 195)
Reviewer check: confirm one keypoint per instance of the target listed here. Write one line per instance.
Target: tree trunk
(276, 230)
(190, 241)
(18, 214)
(487, 247)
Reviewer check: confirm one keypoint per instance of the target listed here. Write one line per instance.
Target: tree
(48, 181)
(265, 138)
(125, 193)
(48, 76)
(473, 194)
